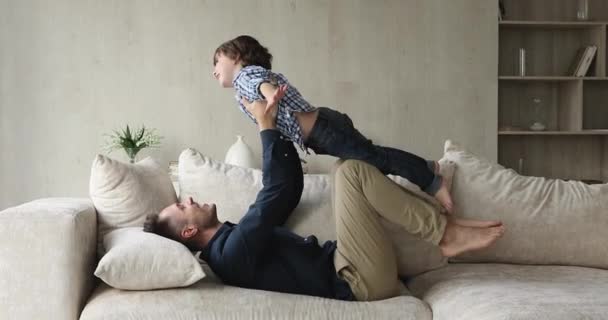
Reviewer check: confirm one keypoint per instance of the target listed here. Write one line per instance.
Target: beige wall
(411, 73)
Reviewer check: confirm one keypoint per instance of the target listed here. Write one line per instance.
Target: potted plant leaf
(132, 141)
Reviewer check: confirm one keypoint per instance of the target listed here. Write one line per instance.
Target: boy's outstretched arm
(273, 94)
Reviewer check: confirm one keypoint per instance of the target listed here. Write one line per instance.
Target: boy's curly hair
(247, 49)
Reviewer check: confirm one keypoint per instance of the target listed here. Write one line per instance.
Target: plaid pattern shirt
(247, 85)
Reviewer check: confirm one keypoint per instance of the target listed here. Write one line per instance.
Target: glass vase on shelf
(539, 117)
(582, 10)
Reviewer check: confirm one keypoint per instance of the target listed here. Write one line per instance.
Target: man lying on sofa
(260, 253)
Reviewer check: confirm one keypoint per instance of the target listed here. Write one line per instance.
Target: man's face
(190, 214)
(225, 69)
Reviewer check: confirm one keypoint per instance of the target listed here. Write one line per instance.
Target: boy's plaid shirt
(247, 85)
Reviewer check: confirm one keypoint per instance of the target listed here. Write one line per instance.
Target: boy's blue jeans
(334, 134)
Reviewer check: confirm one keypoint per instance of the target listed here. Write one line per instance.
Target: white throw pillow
(548, 221)
(138, 260)
(123, 194)
(233, 189)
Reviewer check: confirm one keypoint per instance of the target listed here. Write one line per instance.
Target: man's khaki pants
(365, 258)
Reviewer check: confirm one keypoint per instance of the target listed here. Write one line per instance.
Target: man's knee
(355, 169)
(347, 169)
(336, 165)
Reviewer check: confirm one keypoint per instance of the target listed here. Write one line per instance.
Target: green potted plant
(132, 142)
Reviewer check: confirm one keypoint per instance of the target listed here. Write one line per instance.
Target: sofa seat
(209, 299)
(501, 291)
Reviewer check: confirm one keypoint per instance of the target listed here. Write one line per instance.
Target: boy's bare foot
(444, 197)
(458, 239)
(474, 223)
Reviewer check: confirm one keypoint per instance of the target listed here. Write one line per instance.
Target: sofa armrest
(47, 258)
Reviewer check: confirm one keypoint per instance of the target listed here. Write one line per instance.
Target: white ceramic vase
(240, 154)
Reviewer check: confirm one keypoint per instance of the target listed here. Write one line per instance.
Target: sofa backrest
(548, 221)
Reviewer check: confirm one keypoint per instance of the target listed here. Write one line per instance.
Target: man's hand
(265, 120)
(264, 112)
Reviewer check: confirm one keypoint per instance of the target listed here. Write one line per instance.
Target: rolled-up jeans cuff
(431, 165)
(435, 185)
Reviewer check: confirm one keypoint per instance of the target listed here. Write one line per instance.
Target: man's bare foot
(458, 239)
(436, 167)
(444, 197)
(474, 223)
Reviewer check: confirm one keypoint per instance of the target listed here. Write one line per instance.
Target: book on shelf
(501, 10)
(587, 60)
(577, 61)
(581, 63)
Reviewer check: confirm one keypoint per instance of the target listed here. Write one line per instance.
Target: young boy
(243, 63)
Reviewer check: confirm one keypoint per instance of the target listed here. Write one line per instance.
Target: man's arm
(282, 183)
(281, 191)
(282, 170)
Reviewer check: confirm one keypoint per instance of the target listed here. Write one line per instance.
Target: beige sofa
(550, 265)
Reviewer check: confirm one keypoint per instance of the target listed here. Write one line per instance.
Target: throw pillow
(123, 194)
(138, 260)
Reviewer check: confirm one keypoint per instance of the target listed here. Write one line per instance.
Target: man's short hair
(161, 227)
(164, 228)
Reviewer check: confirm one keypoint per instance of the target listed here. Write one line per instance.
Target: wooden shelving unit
(554, 133)
(574, 110)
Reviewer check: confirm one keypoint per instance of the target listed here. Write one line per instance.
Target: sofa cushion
(234, 188)
(501, 291)
(548, 221)
(123, 194)
(211, 300)
(138, 260)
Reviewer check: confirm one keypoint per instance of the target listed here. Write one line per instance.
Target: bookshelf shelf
(574, 110)
(555, 133)
(540, 78)
(550, 78)
(551, 24)
(596, 78)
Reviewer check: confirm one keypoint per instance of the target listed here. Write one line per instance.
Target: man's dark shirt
(258, 252)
